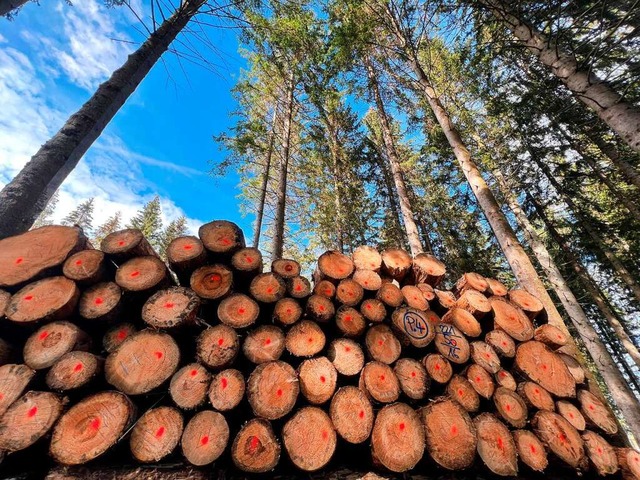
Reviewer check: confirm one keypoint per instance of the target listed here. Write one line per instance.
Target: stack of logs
(210, 358)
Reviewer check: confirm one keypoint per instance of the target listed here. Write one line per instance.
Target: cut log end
(495, 288)
(471, 281)
(156, 434)
(205, 438)
(309, 439)
(427, 269)
(350, 321)
(481, 380)
(50, 299)
(256, 448)
(495, 445)
(366, 258)
(396, 263)
(536, 396)
(373, 310)
(305, 339)
(268, 288)
(221, 237)
(438, 367)
(324, 288)
(211, 282)
(217, 347)
(367, 279)
(185, 254)
(382, 344)
(286, 268)
(572, 414)
(575, 369)
(561, 438)
(349, 292)
(272, 390)
(318, 378)
(226, 390)
(346, 355)
(527, 302)
(475, 303)
(116, 335)
(502, 343)
(390, 295)
(238, 311)
(189, 386)
(505, 379)
(264, 344)
(415, 327)
(73, 370)
(397, 438)
(551, 336)
(298, 287)
(601, 454)
(171, 308)
(541, 365)
(287, 311)
(629, 461)
(597, 412)
(13, 380)
(484, 355)
(352, 414)
(414, 298)
(511, 407)
(49, 343)
(380, 382)
(142, 274)
(125, 244)
(461, 390)
(531, 451)
(334, 265)
(247, 261)
(413, 378)
(320, 308)
(85, 267)
(101, 302)
(463, 321)
(452, 344)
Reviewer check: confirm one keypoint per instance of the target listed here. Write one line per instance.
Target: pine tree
(82, 216)
(45, 217)
(112, 224)
(175, 229)
(149, 221)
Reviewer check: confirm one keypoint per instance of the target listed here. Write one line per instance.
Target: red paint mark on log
(122, 334)
(562, 437)
(478, 379)
(500, 443)
(78, 262)
(279, 392)
(43, 335)
(121, 243)
(220, 341)
(361, 414)
(288, 310)
(537, 391)
(322, 379)
(321, 308)
(380, 342)
(135, 274)
(402, 426)
(600, 450)
(253, 443)
(347, 318)
(460, 392)
(204, 440)
(503, 374)
(78, 367)
(28, 297)
(19, 260)
(591, 407)
(224, 382)
(310, 340)
(267, 341)
(32, 412)
(298, 288)
(325, 435)
(382, 378)
(533, 449)
(99, 301)
(437, 367)
(169, 305)
(188, 246)
(454, 430)
(347, 349)
(160, 432)
(248, 259)
(226, 241)
(95, 423)
(215, 277)
(241, 311)
(269, 290)
(194, 372)
(544, 367)
(327, 292)
(158, 355)
(507, 407)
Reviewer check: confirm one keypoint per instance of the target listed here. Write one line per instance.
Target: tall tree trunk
(586, 224)
(283, 171)
(517, 258)
(621, 116)
(394, 163)
(8, 6)
(22, 200)
(630, 174)
(336, 159)
(265, 178)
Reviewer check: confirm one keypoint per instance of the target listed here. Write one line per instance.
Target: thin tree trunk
(517, 258)
(621, 116)
(278, 238)
(393, 201)
(394, 162)
(22, 200)
(335, 147)
(585, 223)
(8, 6)
(630, 174)
(265, 179)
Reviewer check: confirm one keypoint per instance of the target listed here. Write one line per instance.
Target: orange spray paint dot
(29, 297)
(43, 335)
(562, 437)
(19, 260)
(347, 349)
(500, 443)
(224, 382)
(169, 305)
(382, 378)
(249, 259)
(78, 367)
(32, 412)
(204, 440)
(591, 407)
(504, 344)
(215, 277)
(95, 423)
(253, 443)
(401, 426)
(537, 391)
(269, 290)
(310, 340)
(288, 310)
(321, 308)
(188, 247)
(99, 301)
(361, 414)
(194, 372)
(160, 432)
(571, 415)
(413, 374)
(437, 367)
(122, 334)
(454, 429)
(502, 374)
(460, 392)
(487, 355)
(325, 434)
(544, 367)
(327, 292)
(599, 450)
(288, 267)
(1, 396)
(121, 243)
(241, 311)
(298, 288)
(347, 318)
(226, 241)
(279, 392)
(322, 379)
(135, 274)
(508, 407)
(368, 306)
(380, 342)
(478, 379)
(220, 341)
(158, 355)
(78, 262)
(533, 449)
(267, 341)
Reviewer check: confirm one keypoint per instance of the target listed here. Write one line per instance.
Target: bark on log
(205, 438)
(318, 378)
(189, 386)
(52, 298)
(171, 308)
(496, 446)
(309, 439)
(221, 238)
(256, 448)
(48, 344)
(101, 302)
(86, 267)
(74, 370)
(538, 363)
(123, 245)
(226, 390)
(156, 434)
(217, 347)
(272, 390)
(346, 356)
(4, 301)
(561, 438)
(352, 414)
(305, 339)
(264, 344)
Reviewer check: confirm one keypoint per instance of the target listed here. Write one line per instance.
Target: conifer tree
(149, 221)
(45, 217)
(81, 216)
(112, 224)
(175, 229)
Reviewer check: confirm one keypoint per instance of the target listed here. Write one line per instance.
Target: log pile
(216, 358)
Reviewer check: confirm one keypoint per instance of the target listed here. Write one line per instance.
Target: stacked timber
(212, 356)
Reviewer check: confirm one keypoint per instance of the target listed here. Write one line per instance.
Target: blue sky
(52, 58)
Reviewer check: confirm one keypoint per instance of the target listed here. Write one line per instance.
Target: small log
(212, 282)
(247, 262)
(427, 291)
(13, 381)
(560, 437)
(461, 390)
(142, 274)
(217, 347)
(571, 413)
(37, 252)
(484, 355)
(510, 407)
(142, 362)
(629, 461)
(536, 396)
(264, 344)
(320, 308)
(396, 263)
(318, 378)
(189, 386)
(471, 281)
(505, 379)
(272, 390)
(126, 244)
(413, 378)
(205, 438)
(382, 344)
(309, 439)
(415, 327)
(287, 311)
(367, 279)
(86, 267)
(352, 414)
(596, 412)
(501, 342)
(531, 306)
(286, 268)
(91, 427)
(298, 287)
(452, 344)
(350, 321)
(366, 258)
(156, 434)
(101, 302)
(480, 380)
(324, 288)
(334, 265)
(238, 311)
(379, 382)
(256, 448)
(575, 369)
(222, 238)
(463, 321)
(73, 370)
(44, 300)
(450, 434)
(414, 298)
(226, 390)
(538, 363)
(346, 356)
(185, 255)
(531, 451)
(305, 339)
(475, 303)
(28, 419)
(427, 269)
(390, 295)
(551, 336)
(438, 367)
(4, 301)
(496, 446)
(349, 292)
(373, 310)
(397, 438)
(444, 299)
(116, 335)
(495, 288)
(601, 454)
(49, 343)
(170, 308)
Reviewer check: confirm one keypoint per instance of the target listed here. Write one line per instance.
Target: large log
(601, 454)
(366, 258)
(143, 274)
(382, 344)
(49, 343)
(309, 439)
(496, 446)
(536, 361)
(48, 299)
(256, 448)
(272, 390)
(264, 344)
(318, 378)
(156, 434)
(413, 378)
(346, 356)
(334, 265)
(561, 438)
(171, 308)
(531, 451)
(352, 414)
(205, 438)
(305, 339)
(221, 237)
(238, 311)
(86, 267)
(211, 282)
(379, 382)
